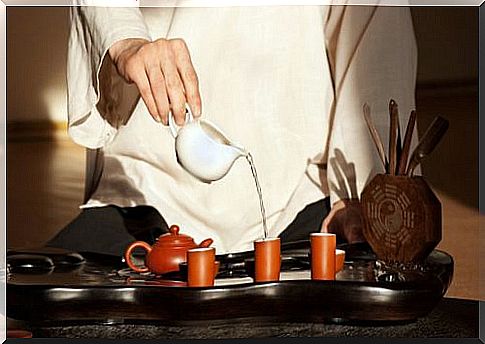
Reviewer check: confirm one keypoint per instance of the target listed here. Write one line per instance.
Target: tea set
(169, 257)
(205, 152)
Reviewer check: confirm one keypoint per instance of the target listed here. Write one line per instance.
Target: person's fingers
(141, 80)
(165, 77)
(157, 85)
(188, 75)
(174, 86)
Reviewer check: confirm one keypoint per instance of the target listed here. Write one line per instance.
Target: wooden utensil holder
(402, 218)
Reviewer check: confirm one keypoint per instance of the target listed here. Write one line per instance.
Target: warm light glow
(55, 101)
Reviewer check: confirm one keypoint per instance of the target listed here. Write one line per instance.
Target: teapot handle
(174, 128)
(130, 249)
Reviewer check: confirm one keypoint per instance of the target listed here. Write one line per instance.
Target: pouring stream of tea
(249, 157)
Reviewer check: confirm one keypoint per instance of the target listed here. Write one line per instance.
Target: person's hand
(163, 72)
(345, 220)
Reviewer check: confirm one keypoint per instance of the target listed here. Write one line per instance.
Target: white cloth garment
(287, 82)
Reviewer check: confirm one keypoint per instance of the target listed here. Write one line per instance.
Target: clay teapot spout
(205, 243)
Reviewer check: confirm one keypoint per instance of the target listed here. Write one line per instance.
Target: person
(287, 82)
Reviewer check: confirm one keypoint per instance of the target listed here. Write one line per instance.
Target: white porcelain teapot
(202, 149)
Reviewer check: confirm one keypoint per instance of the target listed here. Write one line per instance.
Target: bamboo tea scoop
(394, 144)
(375, 136)
(428, 142)
(406, 146)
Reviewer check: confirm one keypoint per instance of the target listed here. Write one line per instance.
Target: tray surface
(102, 289)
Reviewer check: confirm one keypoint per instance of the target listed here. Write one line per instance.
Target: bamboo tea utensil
(401, 215)
(393, 139)
(375, 136)
(428, 142)
(406, 146)
(398, 145)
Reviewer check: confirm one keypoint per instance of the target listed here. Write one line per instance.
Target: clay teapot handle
(130, 249)
(206, 243)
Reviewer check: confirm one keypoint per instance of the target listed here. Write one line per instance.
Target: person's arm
(373, 58)
(111, 60)
(92, 92)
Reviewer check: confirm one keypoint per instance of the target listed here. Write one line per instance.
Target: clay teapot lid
(174, 238)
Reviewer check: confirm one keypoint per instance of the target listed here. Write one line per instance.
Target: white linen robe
(287, 82)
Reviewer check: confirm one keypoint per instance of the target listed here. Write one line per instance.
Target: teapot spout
(206, 243)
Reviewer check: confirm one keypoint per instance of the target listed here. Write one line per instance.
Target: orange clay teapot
(166, 254)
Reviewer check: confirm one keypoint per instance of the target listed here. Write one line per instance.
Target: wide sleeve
(373, 58)
(96, 93)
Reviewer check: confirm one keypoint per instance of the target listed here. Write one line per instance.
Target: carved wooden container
(402, 218)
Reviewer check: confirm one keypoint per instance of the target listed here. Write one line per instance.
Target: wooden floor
(45, 187)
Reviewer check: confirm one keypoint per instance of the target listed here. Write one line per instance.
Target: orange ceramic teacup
(323, 256)
(339, 260)
(201, 267)
(267, 259)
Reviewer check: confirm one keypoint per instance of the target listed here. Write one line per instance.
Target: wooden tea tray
(101, 290)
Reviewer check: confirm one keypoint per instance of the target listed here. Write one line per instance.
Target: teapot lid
(174, 238)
